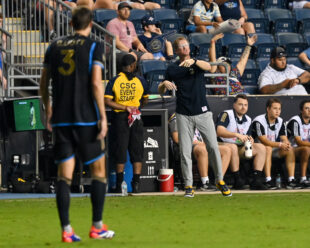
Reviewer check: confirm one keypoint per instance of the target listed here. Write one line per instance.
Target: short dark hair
(241, 96)
(302, 104)
(81, 17)
(271, 101)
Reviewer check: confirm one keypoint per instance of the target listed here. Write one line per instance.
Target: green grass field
(244, 220)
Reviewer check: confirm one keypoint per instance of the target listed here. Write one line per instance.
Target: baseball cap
(128, 59)
(278, 52)
(148, 20)
(124, 5)
(223, 59)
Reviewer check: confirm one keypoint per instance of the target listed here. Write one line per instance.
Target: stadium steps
(12, 24)
(26, 36)
(30, 48)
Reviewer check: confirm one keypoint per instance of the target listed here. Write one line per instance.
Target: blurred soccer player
(77, 115)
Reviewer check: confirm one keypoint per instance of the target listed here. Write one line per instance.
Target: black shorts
(77, 139)
(125, 137)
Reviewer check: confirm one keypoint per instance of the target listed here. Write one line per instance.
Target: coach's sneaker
(70, 237)
(221, 185)
(189, 192)
(102, 233)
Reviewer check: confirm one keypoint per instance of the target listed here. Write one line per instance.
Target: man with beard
(281, 78)
(125, 34)
(233, 130)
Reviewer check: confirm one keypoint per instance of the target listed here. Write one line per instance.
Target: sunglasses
(128, 31)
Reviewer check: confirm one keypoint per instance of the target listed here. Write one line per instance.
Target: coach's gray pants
(186, 128)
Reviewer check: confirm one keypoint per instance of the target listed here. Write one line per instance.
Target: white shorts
(299, 4)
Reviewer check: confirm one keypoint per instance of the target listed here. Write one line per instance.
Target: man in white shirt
(280, 78)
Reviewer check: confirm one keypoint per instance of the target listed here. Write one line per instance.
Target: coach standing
(192, 112)
(77, 115)
(123, 94)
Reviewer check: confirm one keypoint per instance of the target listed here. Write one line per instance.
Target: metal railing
(212, 75)
(32, 24)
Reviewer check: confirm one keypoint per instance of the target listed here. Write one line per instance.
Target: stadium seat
(293, 42)
(103, 16)
(257, 17)
(307, 38)
(251, 89)
(295, 61)
(186, 4)
(184, 15)
(173, 37)
(233, 45)
(303, 19)
(169, 19)
(280, 20)
(250, 4)
(262, 63)
(273, 4)
(250, 74)
(167, 4)
(154, 73)
(264, 44)
(135, 17)
(200, 44)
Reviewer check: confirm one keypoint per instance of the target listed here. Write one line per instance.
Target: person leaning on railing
(235, 73)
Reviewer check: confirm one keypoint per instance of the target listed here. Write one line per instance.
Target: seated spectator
(135, 4)
(86, 3)
(233, 130)
(204, 15)
(280, 78)
(298, 129)
(125, 34)
(234, 9)
(200, 154)
(299, 4)
(305, 57)
(151, 31)
(235, 73)
(269, 129)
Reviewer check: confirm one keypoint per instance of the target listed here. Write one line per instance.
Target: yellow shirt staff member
(124, 94)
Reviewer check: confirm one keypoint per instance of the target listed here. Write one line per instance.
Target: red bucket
(166, 180)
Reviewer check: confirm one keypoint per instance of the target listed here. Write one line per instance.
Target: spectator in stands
(234, 9)
(233, 130)
(205, 14)
(135, 4)
(298, 129)
(236, 72)
(49, 7)
(280, 78)
(2, 76)
(152, 35)
(3, 35)
(127, 125)
(305, 56)
(269, 129)
(125, 34)
(87, 3)
(192, 111)
(299, 4)
(200, 154)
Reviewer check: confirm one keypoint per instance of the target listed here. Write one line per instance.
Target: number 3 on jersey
(69, 66)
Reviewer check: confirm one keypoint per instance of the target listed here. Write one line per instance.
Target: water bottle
(278, 181)
(124, 188)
